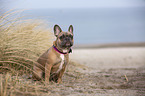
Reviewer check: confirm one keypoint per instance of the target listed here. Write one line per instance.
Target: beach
(110, 71)
(106, 58)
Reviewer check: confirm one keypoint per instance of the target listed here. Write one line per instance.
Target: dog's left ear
(57, 30)
(70, 29)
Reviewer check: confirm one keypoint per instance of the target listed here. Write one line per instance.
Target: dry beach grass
(21, 43)
(91, 71)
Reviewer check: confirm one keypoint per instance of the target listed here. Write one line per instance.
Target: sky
(42, 4)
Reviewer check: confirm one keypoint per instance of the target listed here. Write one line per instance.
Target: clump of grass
(18, 86)
(21, 42)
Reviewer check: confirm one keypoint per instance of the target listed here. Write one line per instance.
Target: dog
(51, 64)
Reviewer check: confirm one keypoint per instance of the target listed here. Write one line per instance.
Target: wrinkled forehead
(65, 33)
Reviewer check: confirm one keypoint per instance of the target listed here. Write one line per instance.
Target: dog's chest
(62, 57)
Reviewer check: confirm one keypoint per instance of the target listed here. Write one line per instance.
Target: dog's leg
(60, 75)
(47, 72)
(37, 73)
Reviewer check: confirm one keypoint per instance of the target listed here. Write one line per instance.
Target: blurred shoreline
(109, 45)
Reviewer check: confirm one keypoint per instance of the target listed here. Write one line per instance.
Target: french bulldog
(51, 64)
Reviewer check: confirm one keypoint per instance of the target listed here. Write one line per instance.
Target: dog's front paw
(47, 81)
(59, 81)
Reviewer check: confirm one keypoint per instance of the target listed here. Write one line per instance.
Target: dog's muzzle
(67, 42)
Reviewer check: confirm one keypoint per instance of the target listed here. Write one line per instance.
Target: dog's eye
(61, 37)
(71, 36)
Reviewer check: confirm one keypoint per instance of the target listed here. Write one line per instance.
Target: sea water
(97, 25)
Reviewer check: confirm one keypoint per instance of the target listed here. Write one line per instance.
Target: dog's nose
(67, 44)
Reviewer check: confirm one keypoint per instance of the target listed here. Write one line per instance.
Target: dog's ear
(70, 29)
(57, 30)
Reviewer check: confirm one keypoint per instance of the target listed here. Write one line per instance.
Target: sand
(107, 72)
(107, 58)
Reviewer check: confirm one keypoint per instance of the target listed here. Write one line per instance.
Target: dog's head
(64, 39)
